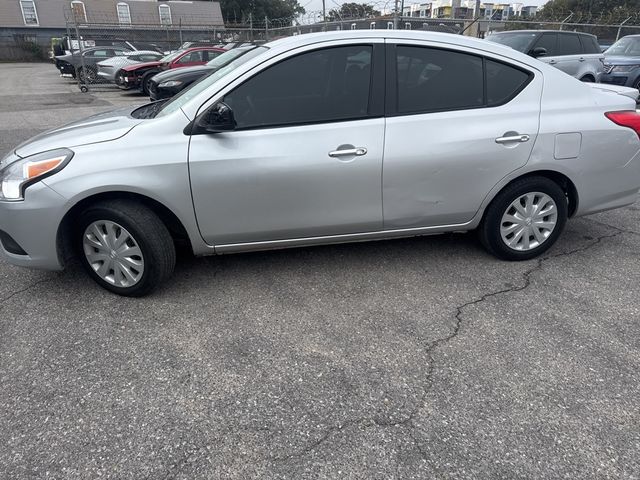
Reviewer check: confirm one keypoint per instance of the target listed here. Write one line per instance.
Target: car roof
(540, 31)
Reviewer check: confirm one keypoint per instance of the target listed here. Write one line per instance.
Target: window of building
(165, 14)
(78, 11)
(29, 13)
(326, 85)
(124, 15)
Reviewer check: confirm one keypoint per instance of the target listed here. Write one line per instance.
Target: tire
(145, 83)
(107, 261)
(538, 236)
(89, 77)
(587, 79)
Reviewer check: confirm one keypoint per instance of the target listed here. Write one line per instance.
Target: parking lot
(416, 358)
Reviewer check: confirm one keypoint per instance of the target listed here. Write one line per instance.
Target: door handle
(513, 139)
(359, 151)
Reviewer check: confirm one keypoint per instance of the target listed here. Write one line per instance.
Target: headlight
(170, 83)
(623, 68)
(18, 174)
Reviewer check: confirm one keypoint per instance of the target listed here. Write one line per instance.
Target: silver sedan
(325, 138)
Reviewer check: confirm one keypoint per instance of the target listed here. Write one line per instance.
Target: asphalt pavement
(409, 359)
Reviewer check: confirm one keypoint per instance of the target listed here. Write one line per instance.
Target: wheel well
(170, 220)
(563, 181)
(589, 76)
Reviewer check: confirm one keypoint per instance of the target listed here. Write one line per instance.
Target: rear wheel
(588, 79)
(87, 75)
(125, 247)
(525, 219)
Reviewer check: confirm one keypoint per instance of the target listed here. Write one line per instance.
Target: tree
(238, 11)
(352, 10)
(603, 10)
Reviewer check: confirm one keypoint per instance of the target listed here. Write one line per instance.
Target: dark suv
(577, 54)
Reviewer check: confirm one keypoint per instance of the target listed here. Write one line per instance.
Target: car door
(305, 159)
(569, 53)
(449, 140)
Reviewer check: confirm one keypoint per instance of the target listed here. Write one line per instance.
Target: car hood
(102, 127)
(620, 60)
(142, 65)
(175, 73)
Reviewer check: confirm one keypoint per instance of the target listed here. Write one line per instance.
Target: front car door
(457, 123)
(306, 157)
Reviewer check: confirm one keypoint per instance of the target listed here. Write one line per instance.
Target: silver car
(107, 69)
(575, 53)
(325, 138)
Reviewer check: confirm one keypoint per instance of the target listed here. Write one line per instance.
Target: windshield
(517, 41)
(625, 47)
(226, 57)
(201, 85)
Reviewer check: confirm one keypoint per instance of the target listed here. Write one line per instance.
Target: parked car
(577, 54)
(323, 138)
(138, 76)
(107, 69)
(622, 62)
(166, 84)
(73, 63)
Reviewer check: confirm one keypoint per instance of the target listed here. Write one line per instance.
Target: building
(29, 25)
(466, 9)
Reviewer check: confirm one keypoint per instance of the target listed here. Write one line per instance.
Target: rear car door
(305, 159)
(449, 140)
(569, 53)
(548, 41)
(592, 58)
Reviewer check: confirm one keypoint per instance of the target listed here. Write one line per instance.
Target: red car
(139, 75)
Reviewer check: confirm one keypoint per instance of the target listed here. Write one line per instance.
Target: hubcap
(529, 221)
(113, 253)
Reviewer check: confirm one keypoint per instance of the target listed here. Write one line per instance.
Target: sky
(316, 5)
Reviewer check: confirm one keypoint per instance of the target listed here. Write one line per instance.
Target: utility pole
(395, 15)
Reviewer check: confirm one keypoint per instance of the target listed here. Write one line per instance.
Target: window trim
(84, 11)
(123, 4)
(168, 9)
(35, 12)
(391, 97)
(376, 89)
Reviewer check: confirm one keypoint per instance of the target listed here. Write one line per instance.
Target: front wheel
(125, 247)
(525, 219)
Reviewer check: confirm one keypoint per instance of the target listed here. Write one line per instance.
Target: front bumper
(623, 79)
(65, 68)
(125, 82)
(32, 224)
(160, 93)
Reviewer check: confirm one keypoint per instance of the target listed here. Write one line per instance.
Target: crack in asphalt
(28, 287)
(433, 346)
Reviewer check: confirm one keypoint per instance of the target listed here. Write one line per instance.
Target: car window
(320, 86)
(548, 42)
(589, 44)
(195, 56)
(568, 44)
(430, 79)
(503, 81)
(97, 53)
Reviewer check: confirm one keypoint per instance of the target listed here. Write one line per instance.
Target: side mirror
(538, 52)
(218, 118)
